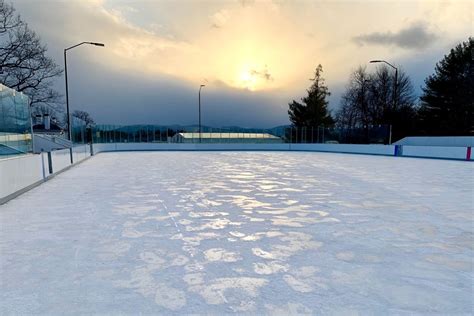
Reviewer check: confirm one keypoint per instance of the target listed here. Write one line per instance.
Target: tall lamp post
(395, 88)
(69, 127)
(200, 87)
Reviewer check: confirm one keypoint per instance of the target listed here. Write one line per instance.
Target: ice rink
(242, 232)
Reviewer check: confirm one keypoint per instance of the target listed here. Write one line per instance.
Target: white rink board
(17, 173)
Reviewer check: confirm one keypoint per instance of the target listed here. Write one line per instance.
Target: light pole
(395, 88)
(69, 128)
(200, 87)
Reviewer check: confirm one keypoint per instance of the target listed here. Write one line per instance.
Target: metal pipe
(67, 91)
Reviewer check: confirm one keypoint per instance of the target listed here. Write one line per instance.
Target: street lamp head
(383, 61)
(203, 85)
(97, 44)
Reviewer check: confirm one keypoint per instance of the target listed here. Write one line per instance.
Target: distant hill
(194, 128)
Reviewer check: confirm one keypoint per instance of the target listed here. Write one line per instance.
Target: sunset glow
(266, 48)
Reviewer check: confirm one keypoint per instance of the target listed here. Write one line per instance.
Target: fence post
(390, 135)
(50, 163)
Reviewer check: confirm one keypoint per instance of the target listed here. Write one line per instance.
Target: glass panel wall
(284, 134)
(79, 131)
(15, 123)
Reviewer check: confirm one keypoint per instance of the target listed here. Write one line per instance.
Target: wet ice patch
(113, 250)
(260, 235)
(194, 278)
(206, 214)
(270, 267)
(141, 281)
(216, 224)
(294, 242)
(263, 254)
(169, 297)
(237, 234)
(214, 293)
(185, 222)
(298, 284)
(305, 280)
(131, 209)
(180, 260)
(345, 255)
(220, 254)
(300, 221)
(288, 309)
(450, 262)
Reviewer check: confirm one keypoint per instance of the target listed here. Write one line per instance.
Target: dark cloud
(124, 98)
(264, 74)
(416, 36)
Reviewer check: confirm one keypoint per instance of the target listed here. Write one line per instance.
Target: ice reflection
(234, 227)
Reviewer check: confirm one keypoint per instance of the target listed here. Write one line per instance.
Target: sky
(254, 56)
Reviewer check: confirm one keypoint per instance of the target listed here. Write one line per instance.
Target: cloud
(219, 18)
(246, 3)
(134, 99)
(416, 36)
(156, 58)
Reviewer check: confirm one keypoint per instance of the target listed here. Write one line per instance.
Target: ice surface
(247, 232)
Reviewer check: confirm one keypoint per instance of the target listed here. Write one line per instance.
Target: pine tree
(313, 111)
(448, 98)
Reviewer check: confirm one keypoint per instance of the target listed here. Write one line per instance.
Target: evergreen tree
(312, 112)
(448, 97)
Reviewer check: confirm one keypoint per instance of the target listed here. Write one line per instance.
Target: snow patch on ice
(220, 254)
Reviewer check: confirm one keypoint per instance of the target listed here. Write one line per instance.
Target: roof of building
(54, 128)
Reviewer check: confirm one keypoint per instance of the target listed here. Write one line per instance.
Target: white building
(225, 137)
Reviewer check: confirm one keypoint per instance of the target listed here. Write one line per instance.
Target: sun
(248, 80)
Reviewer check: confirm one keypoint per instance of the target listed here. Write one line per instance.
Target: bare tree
(370, 96)
(85, 116)
(382, 90)
(369, 100)
(8, 19)
(355, 110)
(23, 61)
